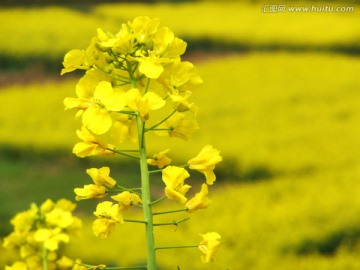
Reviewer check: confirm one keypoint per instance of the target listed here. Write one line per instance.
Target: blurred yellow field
(236, 24)
(272, 110)
(272, 113)
(284, 222)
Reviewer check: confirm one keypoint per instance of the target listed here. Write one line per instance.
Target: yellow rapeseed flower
(177, 126)
(65, 205)
(65, 262)
(17, 266)
(14, 239)
(73, 60)
(174, 178)
(143, 103)
(59, 217)
(124, 129)
(199, 201)
(78, 265)
(79, 59)
(180, 76)
(205, 162)
(108, 215)
(51, 238)
(96, 110)
(209, 246)
(23, 221)
(121, 43)
(91, 145)
(47, 206)
(97, 117)
(160, 159)
(166, 45)
(42, 227)
(87, 84)
(181, 103)
(144, 28)
(151, 66)
(127, 199)
(89, 192)
(101, 177)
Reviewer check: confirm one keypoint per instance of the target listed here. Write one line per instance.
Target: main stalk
(146, 197)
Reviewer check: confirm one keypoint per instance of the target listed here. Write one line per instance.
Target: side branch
(135, 221)
(162, 121)
(174, 222)
(158, 200)
(121, 152)
(170, 211)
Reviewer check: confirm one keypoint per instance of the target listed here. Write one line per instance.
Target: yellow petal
(154, 101)
(79, 103)
(151, 69)
(97, 120)
(101, 176)
(73, 60)
(102, 227)
(174, 195)
(42, 234)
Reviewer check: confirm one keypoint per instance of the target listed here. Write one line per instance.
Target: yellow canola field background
(266, 112)
(28, 33)
(260, 109)
(286, 123)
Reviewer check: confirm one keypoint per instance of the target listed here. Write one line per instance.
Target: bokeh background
(281, 100)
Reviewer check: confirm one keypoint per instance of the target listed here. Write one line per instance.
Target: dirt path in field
(34, 74)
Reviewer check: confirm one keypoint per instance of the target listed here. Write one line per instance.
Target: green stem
(147, 85)
(131, 74)
(156, 171)
(162, 121)
(129, 267)
(159, 129)
(122, 153)
(127, 112)
(135, 221)
(174, 222)
(117, 190)
(146, 196)
(183, 166)
(170, 211)
(127, 189)
(158, 200)
(113, 76)
(44, 258)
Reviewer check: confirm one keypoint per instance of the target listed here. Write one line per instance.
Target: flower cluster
(175, 189)
(138, 70)
(38, 233)
(135, 82)
(209, 246)
(108, 213)
(174, 176)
